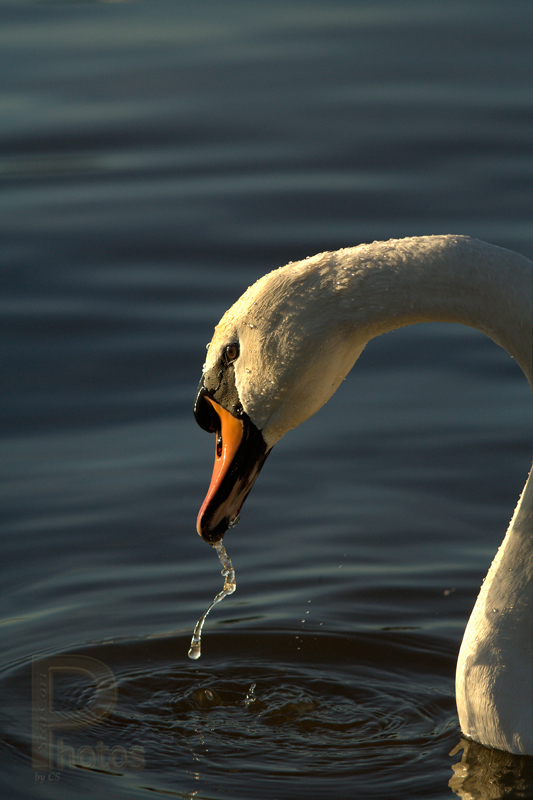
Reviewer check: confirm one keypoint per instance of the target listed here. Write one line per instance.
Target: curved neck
(439, 279)
(457, 279)
(302, 327)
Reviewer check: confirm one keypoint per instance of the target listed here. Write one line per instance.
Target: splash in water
(229, 587)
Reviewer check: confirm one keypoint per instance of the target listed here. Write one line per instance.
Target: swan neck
(442, 279)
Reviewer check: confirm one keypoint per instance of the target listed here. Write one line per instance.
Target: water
(156, 159)
(230, 585)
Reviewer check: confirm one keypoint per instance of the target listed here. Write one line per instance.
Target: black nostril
(204, 412)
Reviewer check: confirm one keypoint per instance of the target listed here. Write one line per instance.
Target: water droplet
(250, 696)
(229, 587)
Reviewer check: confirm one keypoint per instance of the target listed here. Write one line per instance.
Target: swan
(281, 351)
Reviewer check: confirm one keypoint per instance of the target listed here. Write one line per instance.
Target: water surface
(157, 157)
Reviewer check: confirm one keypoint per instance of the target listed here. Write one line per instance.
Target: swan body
(283, 349)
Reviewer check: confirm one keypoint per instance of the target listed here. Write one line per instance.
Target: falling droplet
(229, 587)
(250, 698)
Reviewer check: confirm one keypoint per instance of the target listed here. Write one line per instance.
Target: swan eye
(231, 352)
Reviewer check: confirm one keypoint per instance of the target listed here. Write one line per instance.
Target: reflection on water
(484, 774)
(157, 158)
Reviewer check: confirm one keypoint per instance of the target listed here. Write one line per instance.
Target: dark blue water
(156, 158)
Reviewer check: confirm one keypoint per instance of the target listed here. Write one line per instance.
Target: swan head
(277, 355)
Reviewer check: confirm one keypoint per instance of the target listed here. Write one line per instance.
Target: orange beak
(228, 440)
(239, 455)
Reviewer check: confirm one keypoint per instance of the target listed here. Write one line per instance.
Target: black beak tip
(214, 535)
(204, 413)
